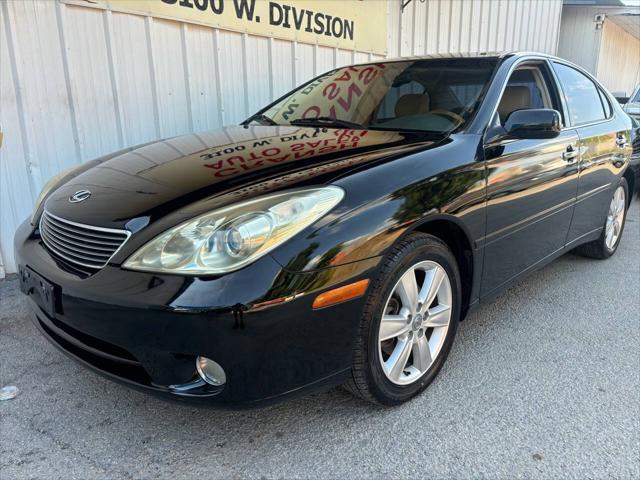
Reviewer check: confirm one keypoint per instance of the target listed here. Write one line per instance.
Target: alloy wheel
(415, 322)
(615, 218)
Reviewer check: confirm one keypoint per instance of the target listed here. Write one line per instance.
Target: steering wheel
(458, 119)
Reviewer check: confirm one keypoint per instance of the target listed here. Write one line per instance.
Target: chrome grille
(80, 244)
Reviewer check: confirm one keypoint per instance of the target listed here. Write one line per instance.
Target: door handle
(570, 154)
(621, 141)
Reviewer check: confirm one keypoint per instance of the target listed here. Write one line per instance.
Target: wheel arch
(449, 229)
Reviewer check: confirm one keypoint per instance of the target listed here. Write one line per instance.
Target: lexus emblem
(80, 196)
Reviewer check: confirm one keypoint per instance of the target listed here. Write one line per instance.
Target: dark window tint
(583, 97)
(525, 78)
(468, 93)
(435, 95)
(528, 87)
(390, 100)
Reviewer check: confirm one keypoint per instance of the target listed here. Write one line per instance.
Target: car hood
(162, 177)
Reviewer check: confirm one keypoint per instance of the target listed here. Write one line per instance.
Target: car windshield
(435, 95)
(636, 96)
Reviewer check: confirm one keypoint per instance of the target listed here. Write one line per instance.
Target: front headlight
(232, 237)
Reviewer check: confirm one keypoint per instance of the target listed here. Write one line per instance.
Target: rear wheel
(611, 234)
(409, 322)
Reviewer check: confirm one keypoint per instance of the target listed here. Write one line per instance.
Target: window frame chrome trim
(517, 63)
(549, 59)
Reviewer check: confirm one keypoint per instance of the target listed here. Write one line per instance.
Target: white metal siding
(78, 82)
(619, 62)
(610, 53)
(579, 39)
(453, 26)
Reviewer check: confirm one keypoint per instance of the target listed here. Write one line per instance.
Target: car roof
(470, 55)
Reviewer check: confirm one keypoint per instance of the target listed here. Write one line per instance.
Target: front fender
(390, 200)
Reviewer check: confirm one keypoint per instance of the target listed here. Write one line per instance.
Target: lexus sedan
(337, 236)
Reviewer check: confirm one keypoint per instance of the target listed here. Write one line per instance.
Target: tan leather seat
(412, 104)
(514, 98)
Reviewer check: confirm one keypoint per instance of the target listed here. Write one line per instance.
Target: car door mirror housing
(534, 123)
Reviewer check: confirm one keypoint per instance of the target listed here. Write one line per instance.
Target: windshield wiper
(326, 122)
(260, 117)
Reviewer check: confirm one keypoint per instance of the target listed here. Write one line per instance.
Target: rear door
(602, 142)
(531, 184)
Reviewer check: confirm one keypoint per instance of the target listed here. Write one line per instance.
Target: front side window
(525, 89)
(583, 98)
(437, 96)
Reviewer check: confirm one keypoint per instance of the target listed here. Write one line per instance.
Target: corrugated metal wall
(619, 61)
(439, 26)
(579, 39)
(78, 82)
(610, 53)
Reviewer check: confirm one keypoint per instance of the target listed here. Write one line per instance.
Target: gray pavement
(542, 383)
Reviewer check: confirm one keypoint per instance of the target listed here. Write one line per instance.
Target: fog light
(210, 371)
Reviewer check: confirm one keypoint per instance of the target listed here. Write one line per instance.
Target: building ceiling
(629, 21)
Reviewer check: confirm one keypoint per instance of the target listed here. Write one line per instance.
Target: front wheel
(611, 234)
(409, 322)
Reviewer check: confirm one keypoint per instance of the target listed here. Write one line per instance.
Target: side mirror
(533, 124)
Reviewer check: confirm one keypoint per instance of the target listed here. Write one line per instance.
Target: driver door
(531, 185)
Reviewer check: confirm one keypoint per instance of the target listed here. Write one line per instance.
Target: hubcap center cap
(417, 322)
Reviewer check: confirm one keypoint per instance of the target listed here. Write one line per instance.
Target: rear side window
(583, 97)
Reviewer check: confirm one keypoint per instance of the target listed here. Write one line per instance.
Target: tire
(384, 385)
(600, 248)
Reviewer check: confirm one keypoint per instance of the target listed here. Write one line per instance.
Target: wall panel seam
(66, 68)
(245, 75)
(218, 74)
(113, 74)
(13, 52)
(187, 74)
(148, 29)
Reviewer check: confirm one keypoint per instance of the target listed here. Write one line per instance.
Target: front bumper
(146, 330)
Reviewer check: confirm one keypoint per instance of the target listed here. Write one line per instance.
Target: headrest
(412, 104)
(514, 98)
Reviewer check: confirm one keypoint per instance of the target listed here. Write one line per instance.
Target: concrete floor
(542, 383)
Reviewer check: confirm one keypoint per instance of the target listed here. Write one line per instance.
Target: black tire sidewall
(427, 248)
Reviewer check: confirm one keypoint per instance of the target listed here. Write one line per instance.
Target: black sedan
(338, 236)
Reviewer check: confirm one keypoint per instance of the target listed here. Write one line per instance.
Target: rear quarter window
(606, 104)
